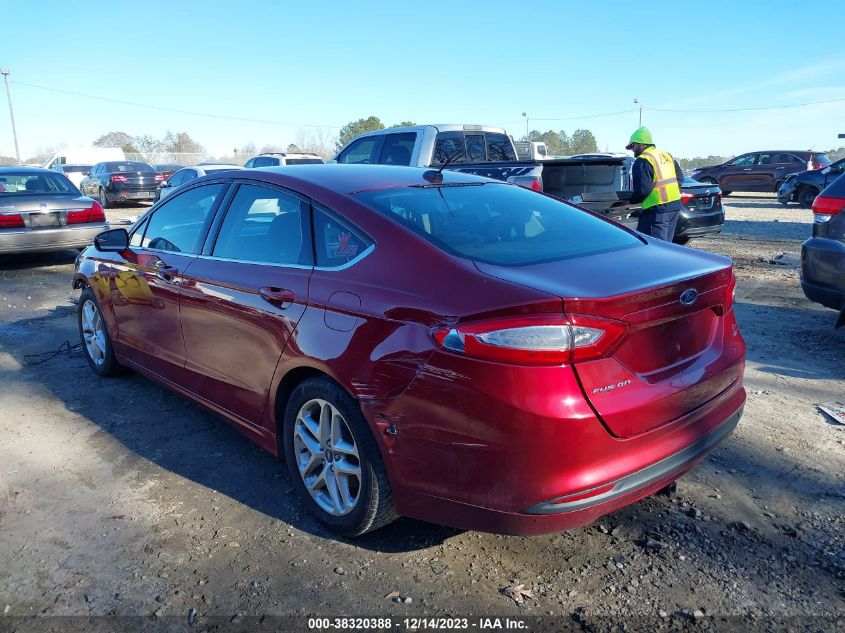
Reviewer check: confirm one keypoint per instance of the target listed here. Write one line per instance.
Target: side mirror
(85, 174)
(113, 241)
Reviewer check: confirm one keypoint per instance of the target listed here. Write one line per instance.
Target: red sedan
(439, 346)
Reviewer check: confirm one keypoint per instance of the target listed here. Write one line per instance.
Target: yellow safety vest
(666, 188)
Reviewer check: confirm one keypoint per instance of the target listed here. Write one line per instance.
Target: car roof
(346, 179)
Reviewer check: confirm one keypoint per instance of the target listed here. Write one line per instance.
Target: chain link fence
(188, 159)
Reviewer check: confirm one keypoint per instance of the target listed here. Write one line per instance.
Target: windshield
(39, 184)
(499, 224)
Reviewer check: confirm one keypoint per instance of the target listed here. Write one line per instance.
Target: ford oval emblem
(688, 297)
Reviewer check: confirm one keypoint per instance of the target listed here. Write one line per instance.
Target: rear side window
(178, 223)
(264, 225)
(265, 161)
(498, 223)
(398, 148)
(336, 241)
(787, 159)
(361, 152)
(499, 147)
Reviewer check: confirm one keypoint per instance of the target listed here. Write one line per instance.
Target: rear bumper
(823, 272)
(698, 224)
(43, 240)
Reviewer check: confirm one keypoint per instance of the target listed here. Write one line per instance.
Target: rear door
(244, 296)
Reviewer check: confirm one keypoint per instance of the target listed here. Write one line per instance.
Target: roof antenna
(436, 175)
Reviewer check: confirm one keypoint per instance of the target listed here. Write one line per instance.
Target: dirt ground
(119, 498)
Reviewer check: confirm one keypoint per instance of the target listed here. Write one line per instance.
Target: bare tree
(317, 140)
(117, 139)
(271, 149)
(148, 147)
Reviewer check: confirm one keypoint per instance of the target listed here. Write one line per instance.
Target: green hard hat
(640, 135)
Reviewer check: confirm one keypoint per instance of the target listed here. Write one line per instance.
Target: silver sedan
(41, 210)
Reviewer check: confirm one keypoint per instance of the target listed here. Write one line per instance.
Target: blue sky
(327, 63)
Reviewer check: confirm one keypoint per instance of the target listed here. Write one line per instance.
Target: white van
(84, 156)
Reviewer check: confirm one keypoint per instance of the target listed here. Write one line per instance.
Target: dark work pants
(659, 224)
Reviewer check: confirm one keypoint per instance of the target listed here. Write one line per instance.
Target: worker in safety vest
(657, 185)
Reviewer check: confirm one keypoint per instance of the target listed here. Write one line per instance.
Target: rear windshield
(129, 166)
(39, 184)
(304, 161)
(499, 224)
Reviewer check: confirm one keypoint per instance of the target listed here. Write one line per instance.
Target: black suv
(823, 255)
(759, 171)
(804, 186)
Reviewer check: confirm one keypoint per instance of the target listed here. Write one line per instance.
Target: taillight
(818, 165)
(159, 177)
(535, 340)
(84, 216)
(686, 197)
(730, 293)
(119, 178)
(535, 183)
(11, 220)
(825, 207)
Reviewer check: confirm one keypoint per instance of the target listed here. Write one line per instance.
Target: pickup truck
(429, 146)
(598, 182)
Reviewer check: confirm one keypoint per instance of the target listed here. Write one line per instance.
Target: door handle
(746, 169)
(277, 296)
(165, 272)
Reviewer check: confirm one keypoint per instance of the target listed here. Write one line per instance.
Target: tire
(318, 412)
(806, 196)
(683, 240)
(94, 336)
(104, 199)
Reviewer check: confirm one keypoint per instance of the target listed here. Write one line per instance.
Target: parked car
(187, 174)
(823, 255)
(74, 173)
(429, 145)
(437, 345)
(41, 210)
(167, 169)
(602, 183)
(531, 150)
(759, 171)
(804, 186)
(279, 159)
(121, 181)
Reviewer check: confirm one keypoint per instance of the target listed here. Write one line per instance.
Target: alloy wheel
(93, 333)
(327, 457)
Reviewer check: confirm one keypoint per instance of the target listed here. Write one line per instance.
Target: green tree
(557, 143)
(403, 124)
(354, 128)
(583, 142)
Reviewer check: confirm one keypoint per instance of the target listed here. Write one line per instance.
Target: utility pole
(525, 114)
(637, 101)
(5, 73)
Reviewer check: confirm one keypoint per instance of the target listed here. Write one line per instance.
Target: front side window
(178, 223)
(361, 152)
(336, 241)
(250, 163)
(744, 161)
(498, 223)
(265, 225)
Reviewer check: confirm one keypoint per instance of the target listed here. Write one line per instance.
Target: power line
(585, 116)
(175, 110)
(777, 107)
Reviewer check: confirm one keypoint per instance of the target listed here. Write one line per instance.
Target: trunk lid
(48, 211)
(675, 356)
(701, 197)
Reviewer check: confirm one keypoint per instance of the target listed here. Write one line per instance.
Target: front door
(739, 173)
(147, 280)
(243, 299)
